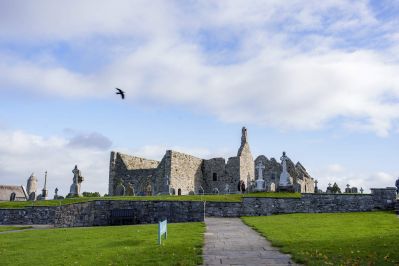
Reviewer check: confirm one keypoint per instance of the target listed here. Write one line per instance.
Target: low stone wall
(28, 215)
(309, 203)
(99, 212)
(96, 213)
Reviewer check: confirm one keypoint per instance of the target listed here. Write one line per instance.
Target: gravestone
(260, 182)
(272, 187)
(130, 189)
(56, 193)
(227, 189)
(32, 196)
(348, 189)
(285, 178)
(12, 196)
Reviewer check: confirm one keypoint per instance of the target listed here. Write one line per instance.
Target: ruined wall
(161, 185)
(298, 173)
(233, 171)
(215, 176)
(186, 173)
(138, 171)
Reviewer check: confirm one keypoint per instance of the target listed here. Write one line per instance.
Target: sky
(317, 79)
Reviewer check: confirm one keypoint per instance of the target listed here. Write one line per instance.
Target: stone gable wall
(186, 173)
(135, 170)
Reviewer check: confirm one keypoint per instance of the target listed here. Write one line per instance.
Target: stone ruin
(180, 173)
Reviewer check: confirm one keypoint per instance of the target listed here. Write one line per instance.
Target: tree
(91, 194)
(335, 188)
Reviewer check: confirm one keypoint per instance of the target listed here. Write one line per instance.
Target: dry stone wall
(98, 212)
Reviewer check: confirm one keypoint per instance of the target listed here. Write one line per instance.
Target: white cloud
(23, 153)
(280, 76)
(343, 176)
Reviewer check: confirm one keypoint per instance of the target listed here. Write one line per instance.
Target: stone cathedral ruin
(181, 174)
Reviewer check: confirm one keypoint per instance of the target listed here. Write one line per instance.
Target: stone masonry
(98, 213)
(179, 173)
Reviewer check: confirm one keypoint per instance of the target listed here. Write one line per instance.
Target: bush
(91, 194)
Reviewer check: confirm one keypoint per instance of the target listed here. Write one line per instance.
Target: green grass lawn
(370, 238)
(221, 198)
(11, 228)
(112, 245)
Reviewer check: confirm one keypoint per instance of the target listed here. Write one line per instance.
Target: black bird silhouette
(121, 92)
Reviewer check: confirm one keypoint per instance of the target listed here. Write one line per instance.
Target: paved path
(33, 227)
(228, 241)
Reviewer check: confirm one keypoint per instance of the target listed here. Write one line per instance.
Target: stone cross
(260, 168)
(361, 190)
(44, 190)
(329, 184)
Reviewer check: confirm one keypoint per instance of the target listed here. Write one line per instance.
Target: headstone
(227, 189)
(130, 189)
(348, 189)
(285, 178)
(361, 190)
(316, 189)
(354, 190)
(32, 196)
(329, 188)
(272, 187)
(397, 185)
(77, 181)
(215, 190)
(12, 196)
(260, 182)
(56, 193)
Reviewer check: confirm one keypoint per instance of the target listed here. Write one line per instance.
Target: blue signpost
(162, 229)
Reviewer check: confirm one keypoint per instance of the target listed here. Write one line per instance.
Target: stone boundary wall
(28, 215)
(97, 213)
(309, 203)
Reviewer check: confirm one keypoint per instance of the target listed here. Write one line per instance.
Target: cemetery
(153, 221)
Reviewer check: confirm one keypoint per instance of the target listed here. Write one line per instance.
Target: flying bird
(121, 92)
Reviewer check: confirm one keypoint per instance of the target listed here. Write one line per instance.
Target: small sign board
(162, 230)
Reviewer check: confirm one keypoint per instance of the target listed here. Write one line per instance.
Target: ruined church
(181, 174)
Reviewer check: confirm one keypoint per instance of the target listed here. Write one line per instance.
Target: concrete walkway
(33, 227)
(228, 241)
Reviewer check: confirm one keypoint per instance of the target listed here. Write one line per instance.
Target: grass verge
(213, 198)
(333, 239)
(112, 245)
